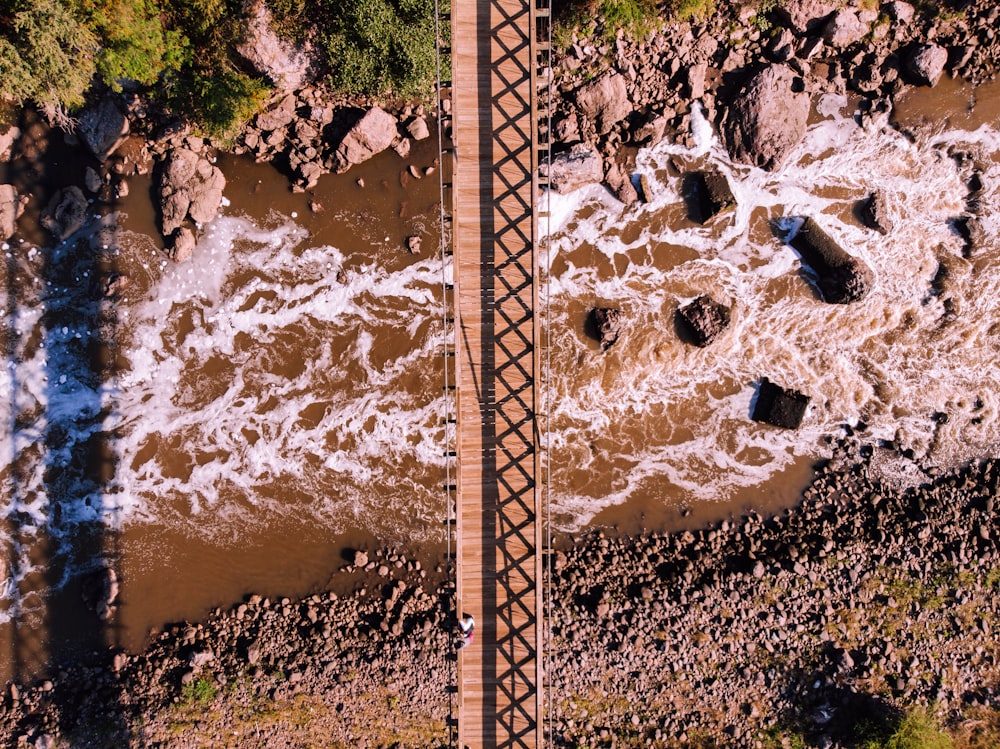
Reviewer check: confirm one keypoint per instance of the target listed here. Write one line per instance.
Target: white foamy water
(273, 377)
(656, 417)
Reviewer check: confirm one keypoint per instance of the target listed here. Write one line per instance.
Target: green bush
(199, 692)
(134, 44)
(381, 47)
(694, 10)
(917, 729)
(220, 97)
(47, 54)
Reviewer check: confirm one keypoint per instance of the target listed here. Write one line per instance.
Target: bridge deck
(498, 569)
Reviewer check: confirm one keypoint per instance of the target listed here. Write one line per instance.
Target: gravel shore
(816, 624)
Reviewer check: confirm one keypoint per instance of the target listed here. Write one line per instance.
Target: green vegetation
(199, 692)
(381, 47)
(183, 52)
(917, 729)
(693, 10)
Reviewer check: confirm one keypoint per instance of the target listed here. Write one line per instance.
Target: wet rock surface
(841, 277)
(606, 325)
(779, 406)
(703, 320)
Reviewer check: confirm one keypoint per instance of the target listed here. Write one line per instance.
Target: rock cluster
(865, 597)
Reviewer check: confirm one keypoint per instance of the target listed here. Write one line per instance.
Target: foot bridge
(490, 189)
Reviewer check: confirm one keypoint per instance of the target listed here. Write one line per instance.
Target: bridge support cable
(449, 418)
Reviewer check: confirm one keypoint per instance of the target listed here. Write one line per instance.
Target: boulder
(372, 134)
(7, 140)
(841, 277)
(65, 212)
(11, 208)
(285, 64)
(844, 28)
(606, 325)
(701, 321)
(651, 131)
(925, 64)
(874, 214)
(899, 11)
(190, 187)
(278, 116)
(103, 127)
(418, 129)
(767, 119)
(604, 101)
(619, 183)
(708, 194)
(570, 170)
(778, 406)
(803, 16)
(182, 245)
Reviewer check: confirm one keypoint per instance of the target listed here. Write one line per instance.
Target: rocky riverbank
(824, 622)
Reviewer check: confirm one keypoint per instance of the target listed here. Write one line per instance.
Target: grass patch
(199, 692)
(693, 11)
(917, 729)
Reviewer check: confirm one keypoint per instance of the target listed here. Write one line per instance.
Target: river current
(279, 397)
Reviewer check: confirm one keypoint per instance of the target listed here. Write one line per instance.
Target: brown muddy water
(235, 423)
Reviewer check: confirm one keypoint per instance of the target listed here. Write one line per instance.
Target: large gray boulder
(803, 16)
(280, 60)
(841, 277)
(844, 28)
(767, 119)
(581, 165)
(103, 127)
(11, 208)
(926, 64)
(190, 187)
(604, 101)
(372, 134)
(65, 213)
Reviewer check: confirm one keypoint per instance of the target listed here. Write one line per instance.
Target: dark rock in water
(767, 119)
(606, 325)
(65, 213)
(874, 215)
(11, 207)
(703, 320)
(841, 277)
(779, 407)
(708, 194)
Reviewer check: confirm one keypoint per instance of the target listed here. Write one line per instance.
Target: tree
(47, 54)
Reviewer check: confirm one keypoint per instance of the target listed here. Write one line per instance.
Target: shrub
(220, 98)
(694, 10)
(46, 54)
(381, 47)
(917, 729)
(199, 692)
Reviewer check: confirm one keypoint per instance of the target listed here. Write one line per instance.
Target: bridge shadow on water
(62, 545)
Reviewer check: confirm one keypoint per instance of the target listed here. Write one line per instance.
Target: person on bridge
(465, 627)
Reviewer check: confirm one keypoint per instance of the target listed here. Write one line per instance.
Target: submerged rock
(779, 406)
(702, 320)
(767, 119)
(65, 213)
(841, 277)
(607, 325)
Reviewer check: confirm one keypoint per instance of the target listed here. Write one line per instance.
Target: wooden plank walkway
(494, 115)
